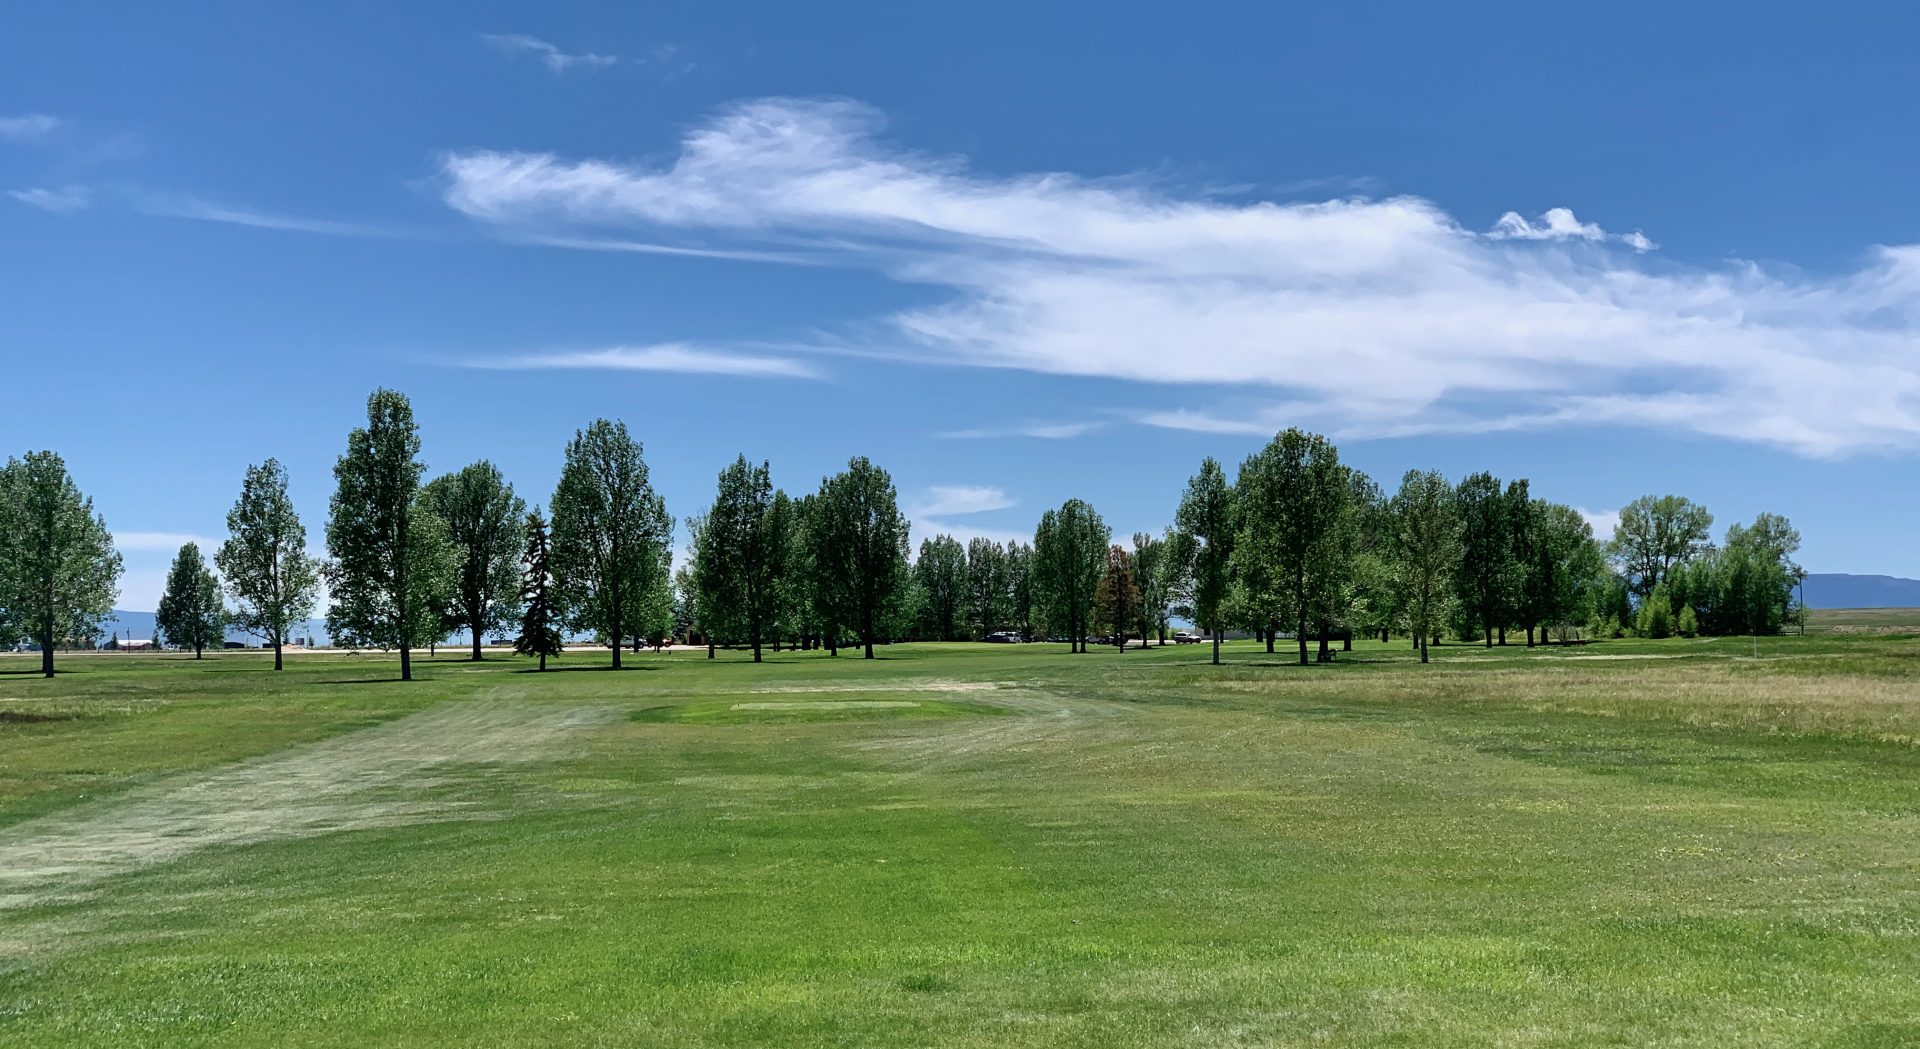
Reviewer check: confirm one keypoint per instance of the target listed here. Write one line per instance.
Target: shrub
(1687, 624)
(1656, 615)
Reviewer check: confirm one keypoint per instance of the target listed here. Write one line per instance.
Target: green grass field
(1669, 843)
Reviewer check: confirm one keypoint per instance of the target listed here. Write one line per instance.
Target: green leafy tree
(988, 586)
(484, 523)
(1655, 619)
(1156, 582)
(1207, 515)
(58, 568)
(1654, 534)
(1564, 580)
(1116, 597)
(940, 572)
(273, 581)
(741, 554)
(391, 569)
(1522, 605)
(610, 536)
(539, 619)
(860, 549)
(1020, 587)
(1425, 549)
(1484, 583)
(1295, 541)
(191, 614)
(1069, 556)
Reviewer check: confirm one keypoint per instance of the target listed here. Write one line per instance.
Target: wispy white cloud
(1603, 522)
(932, 513)
(636, 247)
(1046, 431)
(1560, 224)
(661, 357)
(162, 542)
(1364, 317)
(942, 500)
(185, 206)
(63, 198)
(27, 127)
(556, 60)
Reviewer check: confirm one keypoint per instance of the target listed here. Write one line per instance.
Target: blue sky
(1013, 253)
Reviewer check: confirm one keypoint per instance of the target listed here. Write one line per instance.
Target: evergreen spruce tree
(539, 635)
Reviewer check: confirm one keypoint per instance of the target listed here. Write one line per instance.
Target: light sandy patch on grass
(377, 777)
(826, 704)
(892, 686)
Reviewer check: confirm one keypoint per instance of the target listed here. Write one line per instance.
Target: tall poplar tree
(1116, 599)
(264, 560)
(1206, 514)
(860, 548)
(740, 556)
(1069, 555)
(1153, 573)
(392, 566)
(610, 535)
(1484, 582)
(191, 614)
(58, 568)
(484, 523)
(1425, 549)
(988, 585)
(1294, 500)
(941, 572)
(1020, 587)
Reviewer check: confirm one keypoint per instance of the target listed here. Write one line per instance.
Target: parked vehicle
(1181, 637)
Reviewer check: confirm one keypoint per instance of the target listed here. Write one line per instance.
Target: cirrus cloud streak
(1365, 317)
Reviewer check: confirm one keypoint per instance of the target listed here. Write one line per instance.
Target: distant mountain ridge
(140, 627)
(1843, 590)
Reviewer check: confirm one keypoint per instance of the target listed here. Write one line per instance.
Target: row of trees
(767, 567)
(1297, 542)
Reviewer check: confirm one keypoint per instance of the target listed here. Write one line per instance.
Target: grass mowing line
(377, 777)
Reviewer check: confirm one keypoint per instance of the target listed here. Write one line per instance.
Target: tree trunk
(46, 653)
(1422, 643)
(1301, 636)
(196, 651)
(1529, 635)
(1216, 646)
(1326, 651)
(1503, 637)
(1270, 634)
(710, 646)
(1346, 641)
(543, 660)
(276, 654)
